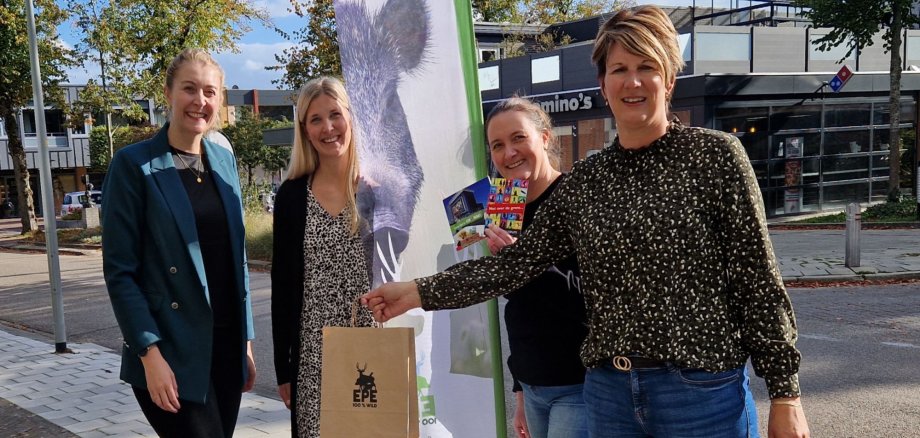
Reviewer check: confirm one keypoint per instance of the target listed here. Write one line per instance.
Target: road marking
(900, 344)
(819, 337)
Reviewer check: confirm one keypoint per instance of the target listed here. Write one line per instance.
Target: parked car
(74, 201)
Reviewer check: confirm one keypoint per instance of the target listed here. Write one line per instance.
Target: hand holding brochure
(482, 203)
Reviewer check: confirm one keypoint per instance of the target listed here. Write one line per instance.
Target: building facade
(758, 75)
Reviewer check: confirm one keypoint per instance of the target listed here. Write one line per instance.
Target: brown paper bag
(368, 383)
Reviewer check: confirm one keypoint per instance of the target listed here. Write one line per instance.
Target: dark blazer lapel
(167, 178)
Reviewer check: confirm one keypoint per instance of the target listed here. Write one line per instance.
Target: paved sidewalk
(82, 394)
(818, 255)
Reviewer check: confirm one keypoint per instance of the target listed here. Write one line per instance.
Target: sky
(257, 48)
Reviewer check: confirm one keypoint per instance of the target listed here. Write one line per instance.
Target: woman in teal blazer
(175, 263)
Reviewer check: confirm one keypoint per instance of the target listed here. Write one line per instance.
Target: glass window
(795, 117)
(761, 172)
(736, 120)
(879, 191)
(845, 168)
(913, 50)
(723, 46)
(794, 172)
(846, 142)
(847, 115)
(797, 145)
(488, 78)
(880, 138)
(2, 129)
(280, 112)
(880, 166)
(686, 46)
(755, 144)
(545, 69)
(28, 122)
(834, 53)
(881, 115)
(55, 123)
(796, 200)
(841, 195)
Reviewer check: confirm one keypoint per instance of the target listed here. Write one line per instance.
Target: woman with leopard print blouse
(681, 285)
(319, 263)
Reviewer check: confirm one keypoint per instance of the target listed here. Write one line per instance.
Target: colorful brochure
(499, 201)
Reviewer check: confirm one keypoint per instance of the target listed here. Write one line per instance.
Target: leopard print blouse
(676, 261)
(335, 274)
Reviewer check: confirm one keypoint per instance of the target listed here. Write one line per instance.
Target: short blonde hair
(304, 159)
(540, 119)
(645, 31)
(203, 57)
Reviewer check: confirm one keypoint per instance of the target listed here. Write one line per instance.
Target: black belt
(626, 363)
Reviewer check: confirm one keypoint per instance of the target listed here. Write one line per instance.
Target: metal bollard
(854, 223)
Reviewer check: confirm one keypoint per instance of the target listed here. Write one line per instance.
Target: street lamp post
(44, 171)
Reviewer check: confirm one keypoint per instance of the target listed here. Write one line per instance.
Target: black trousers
(216, 418)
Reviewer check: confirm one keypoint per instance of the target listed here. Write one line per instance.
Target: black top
(213, 235)
(675, 257)
(545, 320)
(289, 222)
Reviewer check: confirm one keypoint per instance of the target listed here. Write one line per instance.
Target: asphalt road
(861, 345)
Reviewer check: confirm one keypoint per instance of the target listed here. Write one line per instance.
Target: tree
(549, 12)
(134, 41)
(316, 49)
(494, 11)
(251, 152)
(854, 25)
(16, 83)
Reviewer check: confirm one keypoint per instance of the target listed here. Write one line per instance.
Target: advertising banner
(407, 67)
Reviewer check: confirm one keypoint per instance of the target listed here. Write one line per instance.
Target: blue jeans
(669, 402)
(555, 411)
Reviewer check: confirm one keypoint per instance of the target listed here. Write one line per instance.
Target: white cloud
(247, 68)
(275, 8)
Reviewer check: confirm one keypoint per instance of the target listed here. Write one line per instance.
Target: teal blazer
(153, 266)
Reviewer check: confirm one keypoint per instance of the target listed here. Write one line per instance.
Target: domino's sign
(840, 79)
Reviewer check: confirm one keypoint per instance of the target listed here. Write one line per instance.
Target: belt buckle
(622, 363)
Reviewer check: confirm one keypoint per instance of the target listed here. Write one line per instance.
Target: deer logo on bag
(365, 395)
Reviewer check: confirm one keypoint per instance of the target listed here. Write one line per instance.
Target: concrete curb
(881, 276)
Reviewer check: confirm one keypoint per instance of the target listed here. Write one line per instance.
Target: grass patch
(258, 235)
(904, 211)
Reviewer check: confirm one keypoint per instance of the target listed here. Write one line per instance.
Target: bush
(258, 234)
(74, 215)
(903, 211)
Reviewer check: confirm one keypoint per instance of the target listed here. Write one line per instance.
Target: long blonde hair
(304, 159)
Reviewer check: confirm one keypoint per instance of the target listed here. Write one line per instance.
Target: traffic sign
(840, 79)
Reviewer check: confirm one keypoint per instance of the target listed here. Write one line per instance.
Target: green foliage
(251, 152)
(134, 42)
(548, 12)
(75, 214)
(902, 211)
(494, 11)
(258, 235)
(316, 49)
(121, 136)
(16, 81)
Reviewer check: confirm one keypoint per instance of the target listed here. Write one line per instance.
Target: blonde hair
(645, 31)
(304, 159)
(540, 119)
(203, 57)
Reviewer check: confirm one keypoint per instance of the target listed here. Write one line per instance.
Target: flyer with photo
(500, 201)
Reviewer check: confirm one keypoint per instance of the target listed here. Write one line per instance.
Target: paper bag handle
(354, 314)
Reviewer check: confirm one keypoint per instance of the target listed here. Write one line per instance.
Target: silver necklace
(197, 172)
